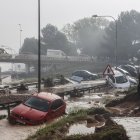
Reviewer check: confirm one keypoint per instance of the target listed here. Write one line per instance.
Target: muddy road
(21, 132)
(98, 99)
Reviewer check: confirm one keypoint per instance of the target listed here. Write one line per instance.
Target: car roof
(117, 73)
(118, 68)
(84, 71)
(47, 96)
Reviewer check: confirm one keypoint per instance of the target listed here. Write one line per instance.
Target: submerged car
(38, 109)
(85, 75)
(131, 69)
(132, 80)
(118, 80)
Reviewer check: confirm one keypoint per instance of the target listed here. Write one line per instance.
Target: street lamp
(39, 65)
(20, 30)
(116, 38)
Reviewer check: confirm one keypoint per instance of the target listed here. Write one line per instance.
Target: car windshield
(37, 103)
(121, 79)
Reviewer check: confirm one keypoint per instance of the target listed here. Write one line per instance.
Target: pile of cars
(124, 77)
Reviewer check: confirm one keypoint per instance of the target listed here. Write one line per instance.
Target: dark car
(86, 75)
(38, 109)
(131, 69)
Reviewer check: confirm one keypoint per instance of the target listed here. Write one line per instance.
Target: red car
(38, 109)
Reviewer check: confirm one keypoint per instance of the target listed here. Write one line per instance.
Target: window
(37, 103)
(56, 104)
(121, 79)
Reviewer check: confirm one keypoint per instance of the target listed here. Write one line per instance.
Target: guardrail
(46, 58)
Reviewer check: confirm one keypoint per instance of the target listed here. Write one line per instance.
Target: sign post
(108, 71)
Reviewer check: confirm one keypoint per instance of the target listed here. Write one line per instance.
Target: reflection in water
(81, 128)
(131, 125)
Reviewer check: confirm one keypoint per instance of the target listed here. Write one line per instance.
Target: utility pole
(39, 65)
(20, 30)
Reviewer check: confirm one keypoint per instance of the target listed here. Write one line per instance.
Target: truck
(55, 53)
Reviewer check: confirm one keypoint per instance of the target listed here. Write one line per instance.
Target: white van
(119, 80)
(55, 53)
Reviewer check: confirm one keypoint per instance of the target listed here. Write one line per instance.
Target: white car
(118, 80)
(132, 80)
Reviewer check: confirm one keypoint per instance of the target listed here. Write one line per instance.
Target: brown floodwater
(20, 132)
(131, 125)
(16, 132)
(81, 128)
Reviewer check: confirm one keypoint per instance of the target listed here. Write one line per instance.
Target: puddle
(131, 125)
(81, 128)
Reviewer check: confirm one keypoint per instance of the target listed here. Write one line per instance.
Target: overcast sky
(56, 12)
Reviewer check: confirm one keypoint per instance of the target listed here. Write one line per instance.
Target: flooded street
(15, 132)
(131, 125)
(20, 132)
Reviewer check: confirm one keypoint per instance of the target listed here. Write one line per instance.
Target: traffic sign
(108, 71)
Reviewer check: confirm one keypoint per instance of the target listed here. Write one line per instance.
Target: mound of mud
(127, 106)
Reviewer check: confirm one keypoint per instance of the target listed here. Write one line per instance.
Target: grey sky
(56, 12)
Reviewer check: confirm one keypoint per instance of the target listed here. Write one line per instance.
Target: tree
(52, 38)
(87, 34)
(30, 45)
(128, 34)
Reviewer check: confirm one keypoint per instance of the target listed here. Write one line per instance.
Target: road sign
(108, 71)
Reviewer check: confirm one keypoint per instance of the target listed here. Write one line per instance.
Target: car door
(57, 108)
(111, 80)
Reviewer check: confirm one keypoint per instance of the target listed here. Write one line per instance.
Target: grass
(71, 118)
(109, 132)
(58, 129)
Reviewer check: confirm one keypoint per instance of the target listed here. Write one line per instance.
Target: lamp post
(116, 36)
(39, 65)
(20, 30)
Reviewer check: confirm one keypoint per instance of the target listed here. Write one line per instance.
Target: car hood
(28, 112)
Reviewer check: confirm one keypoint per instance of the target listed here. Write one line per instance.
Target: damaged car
(39, 108)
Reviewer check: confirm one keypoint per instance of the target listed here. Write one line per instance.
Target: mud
(16, 132)
(19, 132)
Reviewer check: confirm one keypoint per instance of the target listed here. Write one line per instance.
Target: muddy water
(80, 128)
(131, 125)
(19, 132)
(83, 102)
(15, 132)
